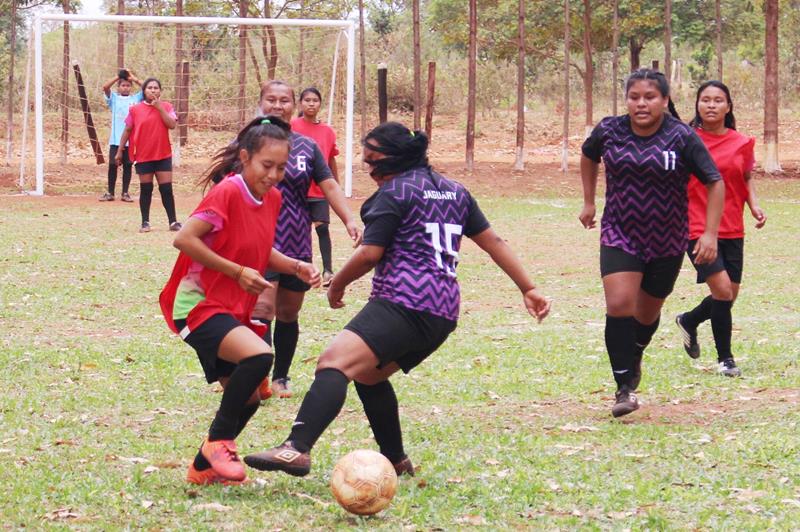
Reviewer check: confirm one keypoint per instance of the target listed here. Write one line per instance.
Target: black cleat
(689, 337)
(625, 403)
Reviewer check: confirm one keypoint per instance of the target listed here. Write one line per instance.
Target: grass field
(508, 423)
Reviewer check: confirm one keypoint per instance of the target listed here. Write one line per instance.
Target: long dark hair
(656, 77)
(404, 149)
(730, 120)
(251, 138)
(312, 90)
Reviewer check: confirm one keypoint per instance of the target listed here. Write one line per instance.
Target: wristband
(239, 273)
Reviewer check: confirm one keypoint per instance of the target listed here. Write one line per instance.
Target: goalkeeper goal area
(210, 69)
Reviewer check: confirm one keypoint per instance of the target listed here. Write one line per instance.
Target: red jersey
(243, 231)
(149, 139)
(325, 138)
(733, 155)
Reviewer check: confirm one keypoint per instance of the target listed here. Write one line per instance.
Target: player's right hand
(335, 296)
(587, 216)
(118, 158)
(252, 282)
(538, 306)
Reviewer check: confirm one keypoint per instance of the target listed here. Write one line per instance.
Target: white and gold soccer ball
(364, 482)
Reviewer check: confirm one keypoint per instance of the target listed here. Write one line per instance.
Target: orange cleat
(224, 460)
(264, 391)
(208, 477)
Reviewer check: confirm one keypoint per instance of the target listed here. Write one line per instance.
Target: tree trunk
(565, 132)
(636, 50)
(417, 66)
(268, 37)
(588, 75)
(668, 40)
(254, 60)
(519, 163)
(12, 51)
(178, 62)
(120, 36)
(242, 103)
(471, 81)
(302, 51)
(362, 88)
(718, 30)
(771, 93)
(65, 89)
(615, 60)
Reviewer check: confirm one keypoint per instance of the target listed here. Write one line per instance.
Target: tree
(615, 59)
(771, 93)
(471, 81)
(718, 31)
(588, 73)
(565, 132)
(668, 39)
(519, 163)
(362, 86)
(417, 61)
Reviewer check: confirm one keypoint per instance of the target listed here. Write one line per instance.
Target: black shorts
(730, 257)
(151, 167)
(112, 152)
(320, 210)
(287, 280)
(401, 335)
(659, 275)
(206, 339)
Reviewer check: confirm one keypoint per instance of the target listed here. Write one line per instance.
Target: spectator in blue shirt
(119, 102)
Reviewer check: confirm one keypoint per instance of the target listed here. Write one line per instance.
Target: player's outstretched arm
(752, 201)
(705, 252)
(362, 262)
(589, 170)
(307, 272)
(189, 241)
(501, 253)
(335, 196)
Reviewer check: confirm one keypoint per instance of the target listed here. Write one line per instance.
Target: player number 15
(450, 260)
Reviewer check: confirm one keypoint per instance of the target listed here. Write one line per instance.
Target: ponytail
(404, 149)
(251, 138)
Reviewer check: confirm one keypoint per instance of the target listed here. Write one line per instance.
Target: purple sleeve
(476, 220)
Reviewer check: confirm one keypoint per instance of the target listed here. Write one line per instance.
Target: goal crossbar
(348, 26)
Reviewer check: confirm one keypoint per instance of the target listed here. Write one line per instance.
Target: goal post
(344, 28)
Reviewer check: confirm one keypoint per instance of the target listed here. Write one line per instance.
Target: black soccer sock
(320, 407)
(644, 333)
(380, 405)
(126, 177)
(267, 335)
(620, 336)
(168, 200)
(698, 314)
(324, 235)
(145, 197)
(285, 338)
(721, 326)
(244, 380)
(112, 176)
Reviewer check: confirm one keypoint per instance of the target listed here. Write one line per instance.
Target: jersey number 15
(449, 262)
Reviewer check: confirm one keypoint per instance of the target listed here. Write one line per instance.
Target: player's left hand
(356, 235)
(705, 251)
(760, 216)
(538, 306)
(308, 273)
(335, 296)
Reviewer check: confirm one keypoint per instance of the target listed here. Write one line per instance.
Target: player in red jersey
(309, 125)
(733, 154)
(209, 298)
(147, 125)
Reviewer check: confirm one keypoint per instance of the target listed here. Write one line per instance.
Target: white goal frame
(347, 26)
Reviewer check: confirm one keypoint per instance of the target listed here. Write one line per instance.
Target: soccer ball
(364, 482)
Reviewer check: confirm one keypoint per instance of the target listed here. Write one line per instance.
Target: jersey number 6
(450, 261)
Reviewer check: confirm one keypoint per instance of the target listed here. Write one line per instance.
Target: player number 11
(449, 262)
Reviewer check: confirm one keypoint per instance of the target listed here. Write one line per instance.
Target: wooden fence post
(383, 101)
(431, 98)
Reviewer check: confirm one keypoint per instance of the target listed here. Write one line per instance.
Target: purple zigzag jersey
(293, 230)
(418, 268)
(646, 178)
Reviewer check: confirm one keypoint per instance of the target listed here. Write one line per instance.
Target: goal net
(210, 70)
